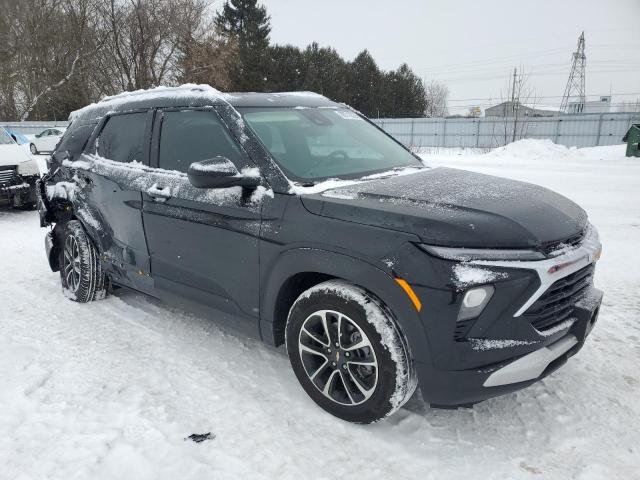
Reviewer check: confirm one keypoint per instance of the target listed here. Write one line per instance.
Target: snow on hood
(442, 204)
(332, 183)
(12, 154)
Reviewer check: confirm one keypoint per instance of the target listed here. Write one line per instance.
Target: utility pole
(514, 101)
(576, 81)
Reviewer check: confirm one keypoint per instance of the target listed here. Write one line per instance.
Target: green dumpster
(632, 137)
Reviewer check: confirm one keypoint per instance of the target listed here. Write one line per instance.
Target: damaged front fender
(51, 249)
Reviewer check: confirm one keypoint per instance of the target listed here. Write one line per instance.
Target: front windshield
(312, 144)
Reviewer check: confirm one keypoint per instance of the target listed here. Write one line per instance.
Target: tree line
(59, 55)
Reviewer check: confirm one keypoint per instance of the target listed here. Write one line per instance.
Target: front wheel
(347, 352)
(33, 149)
(81, 272)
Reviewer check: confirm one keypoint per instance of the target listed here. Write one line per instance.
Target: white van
(18, 174)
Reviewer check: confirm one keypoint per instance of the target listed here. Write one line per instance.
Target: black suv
(302, 220)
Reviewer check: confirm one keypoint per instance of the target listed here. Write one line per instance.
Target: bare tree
(206, 60)
(437, 96)
(47, 40)
(57, 55)
(143, 41)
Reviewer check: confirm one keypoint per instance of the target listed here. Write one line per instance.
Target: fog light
(474, 301)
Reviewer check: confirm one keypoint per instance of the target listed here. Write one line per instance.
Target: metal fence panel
(32, 128)
(586, 130)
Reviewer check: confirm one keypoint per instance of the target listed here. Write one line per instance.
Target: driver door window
(194, 135)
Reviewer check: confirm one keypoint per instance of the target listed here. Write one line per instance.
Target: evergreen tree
(287, 68)
(249, 24)
(325, 72)
(364, 89)
(403, 94)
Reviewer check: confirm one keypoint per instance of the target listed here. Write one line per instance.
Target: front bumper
(539, 316)
(18, 190)
(463, 388)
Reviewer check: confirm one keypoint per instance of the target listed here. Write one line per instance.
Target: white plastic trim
(532, 365)
(553, 269)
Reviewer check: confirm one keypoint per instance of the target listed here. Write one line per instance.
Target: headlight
(474, 301)
(28, 168)
(470, 254)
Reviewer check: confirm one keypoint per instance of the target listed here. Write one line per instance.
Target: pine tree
(249, 24)
(286, 69)
(403, 94)
(325, 72)
(365, 84)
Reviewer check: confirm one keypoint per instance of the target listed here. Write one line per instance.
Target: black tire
(367, 318)
(81, 274)
(33, 149)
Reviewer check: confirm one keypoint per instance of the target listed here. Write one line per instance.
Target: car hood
(451, 207)
(12, 154)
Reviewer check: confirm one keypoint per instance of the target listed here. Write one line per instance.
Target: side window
(75, 138)
(193, 135)
(122, 138)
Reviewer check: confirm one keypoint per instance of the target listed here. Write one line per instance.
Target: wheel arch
(57, 237)
(297, 270)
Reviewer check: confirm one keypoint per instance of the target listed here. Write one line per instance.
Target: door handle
(158, 193)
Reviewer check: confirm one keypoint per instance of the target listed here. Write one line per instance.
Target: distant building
(510, 109)
(603, 105)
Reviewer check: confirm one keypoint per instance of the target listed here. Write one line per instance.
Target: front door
(203, 243)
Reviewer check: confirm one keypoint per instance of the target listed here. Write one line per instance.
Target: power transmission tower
(575, 84)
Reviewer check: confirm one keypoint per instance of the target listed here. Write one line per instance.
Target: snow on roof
(187, 90)
(537, 106)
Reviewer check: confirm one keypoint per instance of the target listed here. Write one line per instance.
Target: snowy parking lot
(112, 389)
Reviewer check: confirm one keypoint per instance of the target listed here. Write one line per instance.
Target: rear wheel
(347, 352)
(81, 272)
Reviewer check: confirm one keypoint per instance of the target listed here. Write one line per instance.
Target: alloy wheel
(338, 357)
(71, 263)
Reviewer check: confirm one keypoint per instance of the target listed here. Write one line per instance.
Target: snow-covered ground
(113, 388)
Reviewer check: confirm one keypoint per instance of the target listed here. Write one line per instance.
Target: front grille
(6, 177)
(572, 241)
(557, 304)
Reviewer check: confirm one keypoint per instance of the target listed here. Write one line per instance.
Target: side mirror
(219, 172)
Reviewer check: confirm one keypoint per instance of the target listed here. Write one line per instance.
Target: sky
(472, 46)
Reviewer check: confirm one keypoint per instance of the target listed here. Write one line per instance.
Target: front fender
(355, 270)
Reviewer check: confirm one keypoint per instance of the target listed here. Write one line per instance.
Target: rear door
(203, 243)
(111, 176)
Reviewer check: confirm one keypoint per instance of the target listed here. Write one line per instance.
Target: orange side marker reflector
(410, 293)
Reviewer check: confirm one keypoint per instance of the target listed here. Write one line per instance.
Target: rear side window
(75, 138)
(193, 135)
(122, 138)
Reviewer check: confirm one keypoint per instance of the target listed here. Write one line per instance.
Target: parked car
(21, 139)
(303, 221)
(18, 174)
(18, 137)
(46, 140)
